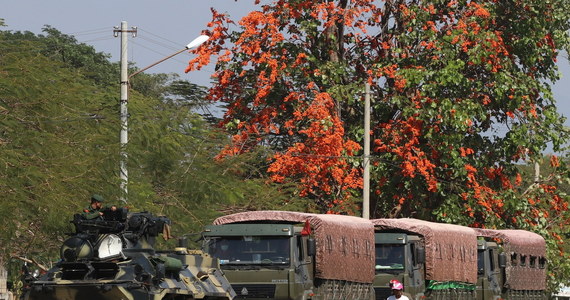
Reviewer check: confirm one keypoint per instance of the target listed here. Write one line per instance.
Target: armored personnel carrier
(114, 258)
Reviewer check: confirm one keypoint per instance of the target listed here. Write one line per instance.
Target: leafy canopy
(59, 143)
(461, 94)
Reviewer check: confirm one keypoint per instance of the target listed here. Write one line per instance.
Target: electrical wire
(210, 70)
(175, 47)
(157, 52)
(95, 117)
(97, 39)
(109, 37)
(89, 32)
(159, 43)
(160, 37)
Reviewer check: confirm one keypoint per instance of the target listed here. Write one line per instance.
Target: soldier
(94, 210)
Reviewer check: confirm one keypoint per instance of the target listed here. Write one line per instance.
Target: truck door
(416, 272)
(493, 273)
(302, 280)
(482, 267)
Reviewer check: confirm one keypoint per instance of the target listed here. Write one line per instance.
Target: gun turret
(108, 236)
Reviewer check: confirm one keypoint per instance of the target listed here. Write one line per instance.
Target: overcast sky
(163, 28)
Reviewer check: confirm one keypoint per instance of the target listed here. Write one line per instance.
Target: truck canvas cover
(521, 276)
(451, 250)
(345, 244)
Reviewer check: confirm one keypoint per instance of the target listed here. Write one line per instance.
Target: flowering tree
(461, 95)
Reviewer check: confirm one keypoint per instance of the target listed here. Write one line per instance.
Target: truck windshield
(250, 250)
(389, 257)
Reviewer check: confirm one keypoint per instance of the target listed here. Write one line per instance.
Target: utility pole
(123, 103)
(125, 77)
(536, 172)
(366, 158)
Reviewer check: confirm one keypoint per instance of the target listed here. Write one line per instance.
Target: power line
(159, 43)
(173, 48)
(162, 54)
(105, 38)
(89, 32)
(162, 38)
(97, 39)
(94, 117)
(38, 39)
(155, 51)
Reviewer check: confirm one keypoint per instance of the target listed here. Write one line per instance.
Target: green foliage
(550, 223)
(56, 128)
(65, 48)
(93, 65)
(59, 143)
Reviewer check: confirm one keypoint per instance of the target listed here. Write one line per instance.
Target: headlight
(76, 248)
(111, 245)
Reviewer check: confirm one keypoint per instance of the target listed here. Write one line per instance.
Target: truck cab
(519, 267)
(263, 261)
(489, 274)
(399, 256)
(294, 255)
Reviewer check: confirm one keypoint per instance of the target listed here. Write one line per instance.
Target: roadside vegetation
(462, 110)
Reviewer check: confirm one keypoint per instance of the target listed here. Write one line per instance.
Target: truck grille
(246, 291)
(382, 293)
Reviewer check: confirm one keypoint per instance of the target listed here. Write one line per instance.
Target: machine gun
(106, 237)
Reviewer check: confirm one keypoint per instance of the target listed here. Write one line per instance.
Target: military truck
(514, 264)
(114, 258)
(290, 255)
(445, 261)
(432, 260)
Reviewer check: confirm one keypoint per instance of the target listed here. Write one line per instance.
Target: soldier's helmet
(97, 197)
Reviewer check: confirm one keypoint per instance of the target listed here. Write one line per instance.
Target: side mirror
(502, 260)
(420, 255)
(311, 247)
